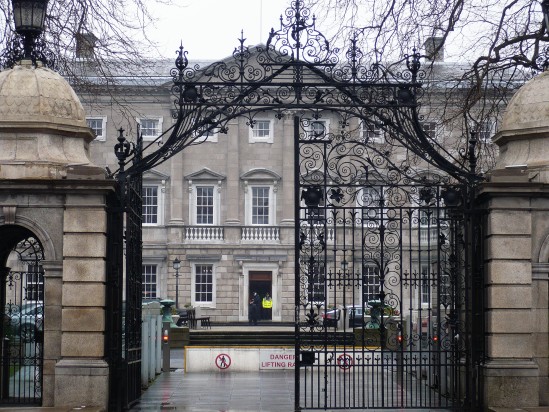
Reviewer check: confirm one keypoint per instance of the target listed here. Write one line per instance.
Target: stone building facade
(203, 200)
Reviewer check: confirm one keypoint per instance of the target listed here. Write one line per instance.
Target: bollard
(166, 346)
(145, 353)
(158, 339)
(152, 347)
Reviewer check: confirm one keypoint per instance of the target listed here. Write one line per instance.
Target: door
(261, 281)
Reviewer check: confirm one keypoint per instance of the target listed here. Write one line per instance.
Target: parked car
(25, 322)
(331, 317)
(354, 316)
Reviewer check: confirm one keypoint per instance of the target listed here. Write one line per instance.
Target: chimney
(85, 45)
(431, 45)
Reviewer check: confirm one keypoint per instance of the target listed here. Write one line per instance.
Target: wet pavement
(260, 391)
(214, 391)
(217, 391)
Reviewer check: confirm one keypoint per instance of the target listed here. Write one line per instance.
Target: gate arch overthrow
(386, 233)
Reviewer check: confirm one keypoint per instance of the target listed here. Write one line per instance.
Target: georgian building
(225, 206)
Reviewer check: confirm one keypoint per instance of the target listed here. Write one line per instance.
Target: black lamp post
(177, 266)
(29, 16)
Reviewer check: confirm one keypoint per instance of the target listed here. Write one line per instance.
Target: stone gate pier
(50, 190)
(516, 236)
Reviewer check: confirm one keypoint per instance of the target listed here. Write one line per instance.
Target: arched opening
(22, 328)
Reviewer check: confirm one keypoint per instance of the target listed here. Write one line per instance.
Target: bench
(193, 321)
(205, 322)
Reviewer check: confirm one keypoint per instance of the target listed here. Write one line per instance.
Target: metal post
(5, 369)
(176, 265)
(177, 288)
(165, 346)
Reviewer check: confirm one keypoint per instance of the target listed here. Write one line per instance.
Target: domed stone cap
(39, 95)
(529, 107)
(43, 130)
(523, 137)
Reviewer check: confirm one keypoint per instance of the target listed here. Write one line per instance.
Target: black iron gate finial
(122, 150)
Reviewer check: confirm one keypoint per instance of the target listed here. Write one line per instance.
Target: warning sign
(223, 361)
(276, 359)
(345, 361)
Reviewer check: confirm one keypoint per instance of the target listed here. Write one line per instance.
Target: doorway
(22, 328)
(261, 281)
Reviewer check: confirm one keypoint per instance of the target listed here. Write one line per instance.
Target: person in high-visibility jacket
(267, 306)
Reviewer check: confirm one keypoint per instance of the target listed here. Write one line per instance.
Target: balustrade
(261, 233)
(204, 233)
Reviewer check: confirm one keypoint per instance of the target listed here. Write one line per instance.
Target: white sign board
(276, 359)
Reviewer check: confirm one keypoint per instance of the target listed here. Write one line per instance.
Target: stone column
(176, 191)
(287, 205)
(53, 283)
(510, 374)
(233, 190)
(540, 300)
(82, 373)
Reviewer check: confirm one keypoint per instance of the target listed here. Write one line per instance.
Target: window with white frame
(485, 131)
(208, 136)
(430, 129)
(425, 284)
(203, 285)
(261, 131)
(371, 286)
(34, 283)
(445, 289)
(371, 201)
(316, 282)
(204, 135)
(317, 129)
(204, 203)
(371, 132)
(98, 125)
(260, 205)
(151, 205)
(150, 127)
(149, 281)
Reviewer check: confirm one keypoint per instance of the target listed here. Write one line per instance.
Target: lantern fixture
(29, 17)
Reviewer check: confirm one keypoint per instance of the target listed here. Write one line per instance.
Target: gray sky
(209, 29)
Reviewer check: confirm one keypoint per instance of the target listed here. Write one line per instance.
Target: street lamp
(29, 16)
(176, 265)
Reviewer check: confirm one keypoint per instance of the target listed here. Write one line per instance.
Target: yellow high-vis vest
(267, 303)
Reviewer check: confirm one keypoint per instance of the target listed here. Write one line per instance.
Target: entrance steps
(242, 334)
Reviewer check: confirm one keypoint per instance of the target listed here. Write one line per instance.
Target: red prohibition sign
(345, 361)
(223, 361)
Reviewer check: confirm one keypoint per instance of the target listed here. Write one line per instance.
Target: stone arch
(543, 255)
(34, 228)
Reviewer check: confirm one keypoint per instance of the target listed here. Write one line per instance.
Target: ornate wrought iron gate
(384, 281)
(383, 294)
(123, 331)
(23, 328)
